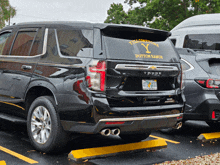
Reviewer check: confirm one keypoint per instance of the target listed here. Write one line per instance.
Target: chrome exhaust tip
(105, 132)
(115, 132)
(178, 125)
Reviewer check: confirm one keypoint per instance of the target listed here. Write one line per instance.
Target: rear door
(6, 39)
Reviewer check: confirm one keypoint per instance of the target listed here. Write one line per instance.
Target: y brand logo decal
(145, 43)
(146, 46)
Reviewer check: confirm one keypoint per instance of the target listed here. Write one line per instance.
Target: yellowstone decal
(145, 44)
(148, 56)
(141, 41)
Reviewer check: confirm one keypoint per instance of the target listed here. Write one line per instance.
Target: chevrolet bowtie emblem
(153, 67)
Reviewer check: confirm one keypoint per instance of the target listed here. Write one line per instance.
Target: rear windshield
(141, 49)
(202, 41)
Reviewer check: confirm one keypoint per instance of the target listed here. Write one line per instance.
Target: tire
(43, 125)
(134, 137)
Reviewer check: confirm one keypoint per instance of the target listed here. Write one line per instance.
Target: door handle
(16, 78)
(26, 67)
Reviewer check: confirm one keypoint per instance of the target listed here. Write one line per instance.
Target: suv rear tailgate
(132, 84)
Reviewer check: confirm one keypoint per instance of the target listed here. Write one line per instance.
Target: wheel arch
(37, 89)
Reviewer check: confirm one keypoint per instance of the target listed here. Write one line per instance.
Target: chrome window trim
(45, 41)
(141, 118)
(191, 67)
(6, 31)
(145, 67)
(43, 52)
(28, 30)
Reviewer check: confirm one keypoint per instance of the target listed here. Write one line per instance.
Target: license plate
(149, 84)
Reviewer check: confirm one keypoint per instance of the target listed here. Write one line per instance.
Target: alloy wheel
(41, 124)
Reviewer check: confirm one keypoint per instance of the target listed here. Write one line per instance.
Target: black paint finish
(58, 70)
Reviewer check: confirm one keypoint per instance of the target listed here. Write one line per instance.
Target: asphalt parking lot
(15, 148)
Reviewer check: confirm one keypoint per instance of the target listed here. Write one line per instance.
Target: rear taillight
(208, 83)
(213, 114)
(96, 75)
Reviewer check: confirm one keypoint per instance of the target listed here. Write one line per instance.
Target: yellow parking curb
(90, 153)
(209, 136)
(2, 162)
(17, 155)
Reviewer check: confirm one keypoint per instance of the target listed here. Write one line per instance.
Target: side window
(37, 47)
(23, 43)
(75, 42)
(214, 66)
(173, 41)
(185, 65)
(4, 38)
(202, 41)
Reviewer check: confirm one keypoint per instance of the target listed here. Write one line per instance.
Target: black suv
(63, 77)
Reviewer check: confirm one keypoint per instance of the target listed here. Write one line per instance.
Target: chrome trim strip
(28, 29)
(44, 49)
(45, 41)
(6, 31)
(190, 65)
(141, 118)
(148, 93)
(146, 108)
(145, 67)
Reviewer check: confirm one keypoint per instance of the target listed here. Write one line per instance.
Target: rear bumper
(204, 111)
(131, 124)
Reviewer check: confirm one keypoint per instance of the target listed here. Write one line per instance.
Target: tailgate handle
(26, 67)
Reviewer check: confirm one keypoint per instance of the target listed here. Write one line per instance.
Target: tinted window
(75, 42)
(202, 41)
(184, 65)
(140, 49)
(23, 43)
(214, 65)
(37, 47)
(3, 40)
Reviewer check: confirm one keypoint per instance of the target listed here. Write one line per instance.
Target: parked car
(79, 77)
(202, 86)
(200, 32)
(201, 66)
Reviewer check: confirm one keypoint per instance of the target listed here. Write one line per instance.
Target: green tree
(6, 12)
(116, 14)
(162, 14)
